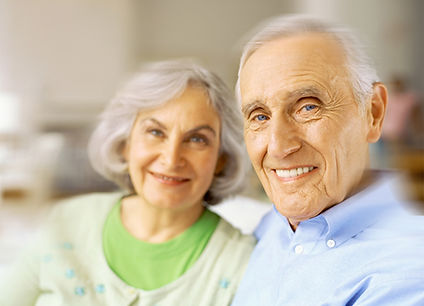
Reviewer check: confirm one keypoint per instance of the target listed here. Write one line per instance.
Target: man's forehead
(286, 93)
(302, 45)
(297, 63)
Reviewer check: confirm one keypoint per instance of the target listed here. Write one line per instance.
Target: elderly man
(337, 235)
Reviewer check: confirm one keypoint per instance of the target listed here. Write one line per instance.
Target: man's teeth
(293, 172)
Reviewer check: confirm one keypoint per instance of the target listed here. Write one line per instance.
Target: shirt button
(298, 249)
(331, 243)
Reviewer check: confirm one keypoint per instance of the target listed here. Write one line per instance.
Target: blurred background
(61, 61)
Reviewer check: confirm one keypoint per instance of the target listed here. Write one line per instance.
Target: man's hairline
(252, 50)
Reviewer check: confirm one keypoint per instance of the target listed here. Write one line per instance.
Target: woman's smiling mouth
(169, 180)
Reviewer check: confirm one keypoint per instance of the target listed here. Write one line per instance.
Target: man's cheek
(255, 145)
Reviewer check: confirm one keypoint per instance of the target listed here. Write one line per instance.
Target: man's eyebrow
(303, 92)
(248, 108)
(295, 94)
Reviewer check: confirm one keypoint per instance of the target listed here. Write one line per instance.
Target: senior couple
(172, 139)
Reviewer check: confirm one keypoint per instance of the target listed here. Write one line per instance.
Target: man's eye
(260, 118)
(309, 107)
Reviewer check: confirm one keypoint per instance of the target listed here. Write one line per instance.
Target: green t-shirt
(150, 266)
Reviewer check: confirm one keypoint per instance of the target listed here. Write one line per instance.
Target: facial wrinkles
(311, 200)
(339, 155)
(331, 168)
(306, 207)
(294, 83)
(330, 164)
(327, 136)
(339, 176)
(332, 179)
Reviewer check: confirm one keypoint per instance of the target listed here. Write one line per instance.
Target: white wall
(385, 26)
(208, 30)
(64, 54)
(66, 57)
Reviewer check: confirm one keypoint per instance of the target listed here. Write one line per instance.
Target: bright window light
(10, 113)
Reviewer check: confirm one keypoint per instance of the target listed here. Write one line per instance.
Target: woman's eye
(198, 139)
(155, 132)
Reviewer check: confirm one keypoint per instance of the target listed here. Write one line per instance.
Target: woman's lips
(168, 179)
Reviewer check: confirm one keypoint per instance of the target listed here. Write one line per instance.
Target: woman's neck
(155, 224)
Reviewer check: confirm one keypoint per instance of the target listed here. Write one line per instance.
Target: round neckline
(190, 236)
(211, 250)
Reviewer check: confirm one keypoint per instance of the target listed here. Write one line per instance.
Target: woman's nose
(172, 155)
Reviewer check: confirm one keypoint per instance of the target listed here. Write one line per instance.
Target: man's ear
(221, 163)
(376, 111)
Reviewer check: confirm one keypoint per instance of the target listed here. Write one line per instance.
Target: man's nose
(283, 138)
(171, 154)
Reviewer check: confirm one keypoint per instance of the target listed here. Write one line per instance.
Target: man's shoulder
(269, 222)
(401, 224)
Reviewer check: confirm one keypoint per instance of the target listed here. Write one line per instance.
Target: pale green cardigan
(67, 265)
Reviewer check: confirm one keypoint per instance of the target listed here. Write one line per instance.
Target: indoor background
(61, 61)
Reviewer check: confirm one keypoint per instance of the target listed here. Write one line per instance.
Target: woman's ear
(376, 112)
(221, 163)
(124, 150)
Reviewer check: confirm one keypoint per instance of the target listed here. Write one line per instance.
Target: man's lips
(168, 179)
(294, 172)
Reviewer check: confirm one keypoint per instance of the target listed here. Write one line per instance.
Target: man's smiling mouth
(294, 172)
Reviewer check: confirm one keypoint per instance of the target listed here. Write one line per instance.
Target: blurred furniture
(412, 162)
(28, 157)
(27, 166)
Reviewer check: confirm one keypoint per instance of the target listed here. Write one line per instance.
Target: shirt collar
(363, 209)
(348, 218)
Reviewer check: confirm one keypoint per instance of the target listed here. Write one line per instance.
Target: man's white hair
(361, 72)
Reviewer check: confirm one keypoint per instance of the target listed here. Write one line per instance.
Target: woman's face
(172, 152)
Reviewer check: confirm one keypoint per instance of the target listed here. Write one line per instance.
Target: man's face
(305, 133)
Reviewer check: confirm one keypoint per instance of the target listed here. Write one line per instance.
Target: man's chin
(298, 209)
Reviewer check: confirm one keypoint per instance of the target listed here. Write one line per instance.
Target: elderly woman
(171, 138)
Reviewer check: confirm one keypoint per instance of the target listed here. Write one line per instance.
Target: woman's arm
(20, 286)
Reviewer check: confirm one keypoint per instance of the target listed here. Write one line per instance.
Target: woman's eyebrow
(153, 120)
(196, 129)
(202, 127)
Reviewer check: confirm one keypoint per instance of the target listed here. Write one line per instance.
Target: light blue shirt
(367, 250)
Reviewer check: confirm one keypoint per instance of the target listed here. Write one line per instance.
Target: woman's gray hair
(154, 85)
(361, 72)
